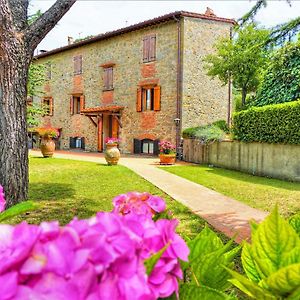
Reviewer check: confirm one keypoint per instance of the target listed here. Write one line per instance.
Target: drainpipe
(178, 120)
(229, 91)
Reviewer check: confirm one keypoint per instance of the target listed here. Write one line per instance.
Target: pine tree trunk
(13, 125)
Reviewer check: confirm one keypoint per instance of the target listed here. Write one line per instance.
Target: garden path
(223, 213)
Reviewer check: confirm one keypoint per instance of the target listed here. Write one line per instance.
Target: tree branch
(39, 29)
(18, 10)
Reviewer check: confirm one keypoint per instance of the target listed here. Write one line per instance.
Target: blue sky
(95, 17)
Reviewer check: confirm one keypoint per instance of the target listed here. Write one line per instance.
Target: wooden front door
(108, 126)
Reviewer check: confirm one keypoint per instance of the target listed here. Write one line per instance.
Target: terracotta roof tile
(102, 109)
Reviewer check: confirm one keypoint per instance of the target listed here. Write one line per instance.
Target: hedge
(206, 133)
(276, 123)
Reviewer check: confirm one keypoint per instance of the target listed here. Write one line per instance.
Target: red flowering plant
(166, 147)
(47, 132)
(112, 140)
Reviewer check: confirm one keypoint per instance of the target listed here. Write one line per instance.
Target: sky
(96, 17)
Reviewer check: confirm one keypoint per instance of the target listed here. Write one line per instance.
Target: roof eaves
(157, 20)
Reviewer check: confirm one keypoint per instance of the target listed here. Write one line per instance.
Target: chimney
(70, 40)
(209, 12)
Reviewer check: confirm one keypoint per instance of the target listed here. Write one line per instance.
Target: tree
(278, 34)
(240, 59)
(281, 78)
(18, 40)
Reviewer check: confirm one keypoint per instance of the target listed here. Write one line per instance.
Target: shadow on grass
(41, 191)
(254, 179)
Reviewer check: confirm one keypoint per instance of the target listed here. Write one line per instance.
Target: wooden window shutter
(110, 78)
(115, 127)
(105, 79)
(139, 100)
(83, 143)
(77, 64)
(146, 44)
(71, 105)
(157, 98)
(152, 47)
(137, 146)
(156, 147)
(82, 102)
(51, 108)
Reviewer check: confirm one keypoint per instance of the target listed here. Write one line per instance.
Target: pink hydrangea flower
(2, 199)
(138, 204)
(99, 258)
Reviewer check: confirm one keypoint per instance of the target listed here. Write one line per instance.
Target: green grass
(65, 188)
(259, 192)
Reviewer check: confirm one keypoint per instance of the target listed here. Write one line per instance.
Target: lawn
(65, 188)
(259, 192)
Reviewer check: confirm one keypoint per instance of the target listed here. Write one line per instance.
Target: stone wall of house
(125, 51)
(204, 100)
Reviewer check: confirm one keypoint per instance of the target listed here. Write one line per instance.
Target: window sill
(107, 90)
(149, 61)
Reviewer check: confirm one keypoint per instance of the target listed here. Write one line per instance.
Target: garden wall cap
(151, 22)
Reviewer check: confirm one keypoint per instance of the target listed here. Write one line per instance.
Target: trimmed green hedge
(277, 123)
(206, 133)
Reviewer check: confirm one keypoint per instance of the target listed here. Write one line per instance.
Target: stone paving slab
(223, 213)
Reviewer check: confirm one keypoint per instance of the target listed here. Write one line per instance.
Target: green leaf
(205, 242)
(249, 288)
(295, 222)
(295, 295)
(152, 260)
(292, 257)
(285, 281)
(209, 269)
(249, 264)
(193, 292)
(272, 240)
(17, 209)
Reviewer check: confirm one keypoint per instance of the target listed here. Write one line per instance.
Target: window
(148, 98)
(77, 143)
(48, 106)
(76, 104)
(149, 48)
(108, 79)
(77, 64)
(147, 146)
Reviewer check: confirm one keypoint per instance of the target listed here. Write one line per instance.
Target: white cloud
(95, 17)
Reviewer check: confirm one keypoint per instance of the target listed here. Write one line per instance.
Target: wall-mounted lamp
(177, 121)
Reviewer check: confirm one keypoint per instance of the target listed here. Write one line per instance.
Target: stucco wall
(129, 71)
(204, 100)
(272, 160)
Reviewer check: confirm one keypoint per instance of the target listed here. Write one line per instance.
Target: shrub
(206, 134)
(123, 254)
(277, 123)
(222, 124)
(271, 262)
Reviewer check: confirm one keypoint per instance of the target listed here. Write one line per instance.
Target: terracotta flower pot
(112, 154)
(47, 146)
(167, 159)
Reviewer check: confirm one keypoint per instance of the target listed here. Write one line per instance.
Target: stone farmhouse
(142, 83)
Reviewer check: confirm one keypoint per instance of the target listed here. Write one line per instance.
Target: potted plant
(167, 154)
(112, 153)
(47, 144)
